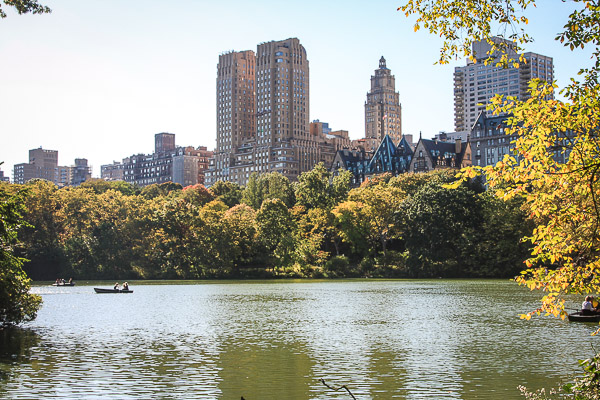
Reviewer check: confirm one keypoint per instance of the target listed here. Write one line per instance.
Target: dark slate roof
(486, 121)
(384, 154)
(446, 150)
(388, 158)
(404, 148)
(348, 156)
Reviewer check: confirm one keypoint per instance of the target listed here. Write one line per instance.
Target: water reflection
(274, 371)
(275, 340)
(16, 346)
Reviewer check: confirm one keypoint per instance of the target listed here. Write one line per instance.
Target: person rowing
(587, 307)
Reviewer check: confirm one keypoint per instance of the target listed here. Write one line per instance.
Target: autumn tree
(276, 232)
(239, 227)
(561, 198)
(101, 186)
(197, 194)
(41, 236)
(16, 303)
(317, 193)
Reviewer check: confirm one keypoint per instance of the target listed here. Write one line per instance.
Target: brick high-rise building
(282, 100)
(43, 164)
(236, 111)
(476, 83)
(383, 111)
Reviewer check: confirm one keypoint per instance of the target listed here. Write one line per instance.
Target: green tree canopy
(317, 188)
(101, 186)
(268, 186)
(228, 192)
(160, 189)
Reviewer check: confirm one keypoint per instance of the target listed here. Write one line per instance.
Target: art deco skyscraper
(383, 111)
(282, 101)
(236, 119)
(476, 83)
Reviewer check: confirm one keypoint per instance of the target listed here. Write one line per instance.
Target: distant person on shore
(116, 287)
(587, 307)
(125, 286)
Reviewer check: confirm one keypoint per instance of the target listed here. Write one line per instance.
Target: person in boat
(116, 287)
(125, 286)
(70, 281)
(587, 307)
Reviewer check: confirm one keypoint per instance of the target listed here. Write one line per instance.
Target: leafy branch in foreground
(561, 198)
(16, 303)
(24, 7)
(586, 387)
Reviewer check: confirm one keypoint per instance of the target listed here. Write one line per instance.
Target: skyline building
(383, 111)
(168, 163)
(236, 111)
(43, 164)
(263, 112)
(282, 99)
(476, 83)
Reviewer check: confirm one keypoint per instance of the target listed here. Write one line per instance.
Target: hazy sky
(97, 79)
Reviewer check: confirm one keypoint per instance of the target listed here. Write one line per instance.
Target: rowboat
(100, 290)
(579, 317)
(64, 284)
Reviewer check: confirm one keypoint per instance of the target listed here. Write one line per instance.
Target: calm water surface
(432, 339)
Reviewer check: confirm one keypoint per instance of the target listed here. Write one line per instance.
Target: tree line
(404, 226)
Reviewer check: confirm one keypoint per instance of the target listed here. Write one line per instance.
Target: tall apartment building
(282, 100)
(383, 111)
(263, 114)
(476, 83)
(236, 112)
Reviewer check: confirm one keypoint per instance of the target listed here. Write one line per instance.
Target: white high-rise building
(476, 83)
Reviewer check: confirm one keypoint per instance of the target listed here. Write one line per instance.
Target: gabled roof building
(433, 154)
(387, 158)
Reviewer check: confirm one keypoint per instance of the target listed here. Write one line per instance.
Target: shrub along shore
(406, 226)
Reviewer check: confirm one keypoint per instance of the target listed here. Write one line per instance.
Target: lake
(384, 339)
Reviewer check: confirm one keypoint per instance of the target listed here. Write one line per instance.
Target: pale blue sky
(97, 79)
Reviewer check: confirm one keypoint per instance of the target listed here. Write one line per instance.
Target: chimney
(458, 146)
